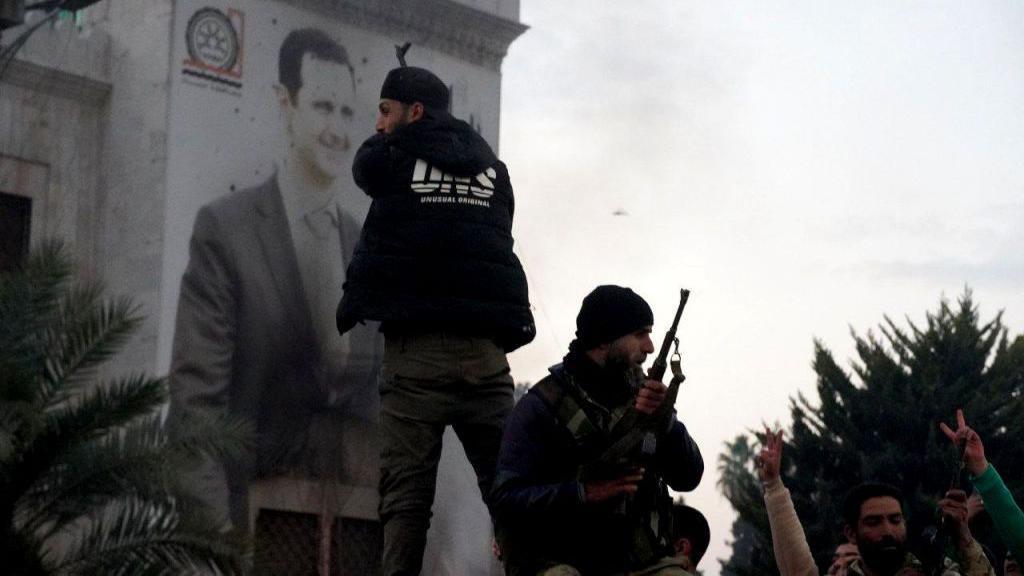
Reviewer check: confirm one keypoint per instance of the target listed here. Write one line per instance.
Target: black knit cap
(689, 523)
(409, 84)
(610, 312)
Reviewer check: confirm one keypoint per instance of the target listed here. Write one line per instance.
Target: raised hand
(953, 509)
(968, 439)
(769, 461)
(975, 506)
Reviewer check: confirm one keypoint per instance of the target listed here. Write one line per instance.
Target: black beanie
(689, 523)
(610, 312)
(409, 84)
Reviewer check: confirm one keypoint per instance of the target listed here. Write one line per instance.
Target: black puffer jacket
(436, 249)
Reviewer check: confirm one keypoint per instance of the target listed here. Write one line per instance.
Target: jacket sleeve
(373, 164)
(792, 554)
(679, 459)
(1006, 514)
(511, 194)
(521, 486)
(973, 561)
(203, 348)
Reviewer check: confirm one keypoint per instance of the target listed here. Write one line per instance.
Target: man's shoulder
(242, 203)
(550, 389)
(535, 398)
(234, 215)
(501, 171)
(538, 402)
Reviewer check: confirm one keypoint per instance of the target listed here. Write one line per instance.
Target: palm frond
(224, 438)
(152, 538)
(95, 413)
(87, 333)
(29, 298)
(108, 405)
(130, 461)
(89, 465)
(13, 416)
(35, 286)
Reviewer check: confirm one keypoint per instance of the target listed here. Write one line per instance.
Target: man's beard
(620, 359)
(403, 120)
(618, 364)
(626, 373)
(885, 556)
(618, 382)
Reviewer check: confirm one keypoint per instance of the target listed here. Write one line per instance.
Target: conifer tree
(879, 421)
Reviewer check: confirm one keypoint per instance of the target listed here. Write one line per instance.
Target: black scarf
(609, 386)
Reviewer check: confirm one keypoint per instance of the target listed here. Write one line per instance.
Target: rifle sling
(567, 410)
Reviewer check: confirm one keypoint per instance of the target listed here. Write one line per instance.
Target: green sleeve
(1006, 514)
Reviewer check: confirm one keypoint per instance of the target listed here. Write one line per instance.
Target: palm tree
(89, 481)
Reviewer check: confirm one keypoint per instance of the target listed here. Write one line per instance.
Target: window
(15, 220)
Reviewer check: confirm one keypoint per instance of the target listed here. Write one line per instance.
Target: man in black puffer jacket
(435, 266)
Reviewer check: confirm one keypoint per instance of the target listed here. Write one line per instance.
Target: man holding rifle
(588, 454)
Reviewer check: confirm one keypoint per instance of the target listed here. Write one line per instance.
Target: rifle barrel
(657, 371)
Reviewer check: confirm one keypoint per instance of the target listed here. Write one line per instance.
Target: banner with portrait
(269, 101)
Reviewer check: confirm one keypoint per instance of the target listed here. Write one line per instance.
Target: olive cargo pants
(427, 382)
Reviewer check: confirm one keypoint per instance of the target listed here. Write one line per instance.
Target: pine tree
(750, 541)
(879, 421)
(89, 481)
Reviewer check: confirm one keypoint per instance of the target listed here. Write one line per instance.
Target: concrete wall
(53, 103)
(84, 108)
(135, 162)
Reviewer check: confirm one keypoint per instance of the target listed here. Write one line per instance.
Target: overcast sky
(804, 168)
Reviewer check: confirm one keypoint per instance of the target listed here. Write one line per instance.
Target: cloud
(801, 166)
(1002, 273)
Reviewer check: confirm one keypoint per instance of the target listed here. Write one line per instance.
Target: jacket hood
(445, 142)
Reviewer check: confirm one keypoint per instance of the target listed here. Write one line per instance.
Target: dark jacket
(436, 248)
(538, 500)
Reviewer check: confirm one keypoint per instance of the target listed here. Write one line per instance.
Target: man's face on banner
(318, 119)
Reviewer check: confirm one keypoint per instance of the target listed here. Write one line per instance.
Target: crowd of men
(434, 265)
(875, 527)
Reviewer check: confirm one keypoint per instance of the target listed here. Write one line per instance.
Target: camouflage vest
(650, 511)
(911, 567)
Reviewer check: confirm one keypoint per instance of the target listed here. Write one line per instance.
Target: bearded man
(435, 266)
(550, 520)
(874, 521)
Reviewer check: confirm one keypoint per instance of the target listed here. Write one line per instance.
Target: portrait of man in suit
(254, 333)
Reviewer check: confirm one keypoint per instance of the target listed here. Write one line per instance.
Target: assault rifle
(636, 429)
(936, 538)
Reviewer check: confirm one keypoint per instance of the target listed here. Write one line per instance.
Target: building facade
(119, 124)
